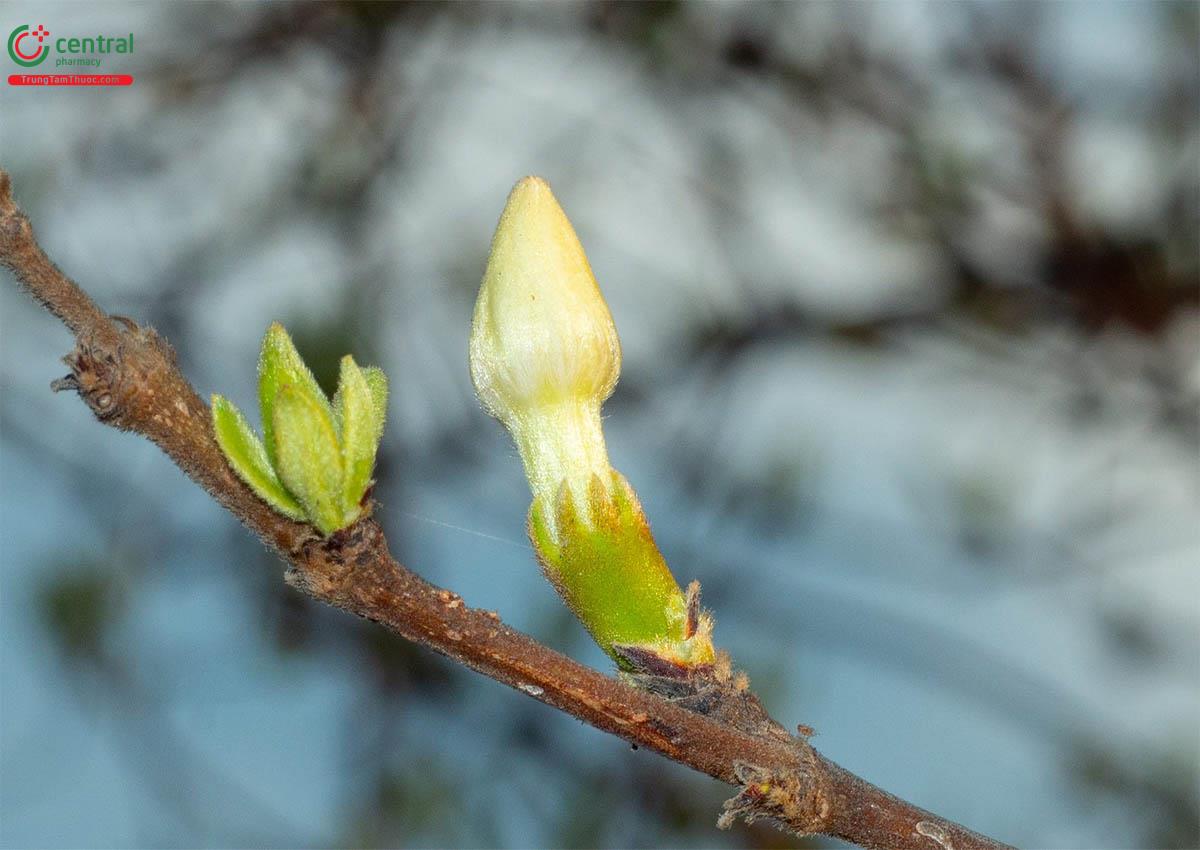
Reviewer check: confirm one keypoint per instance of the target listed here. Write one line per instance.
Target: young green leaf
(356, 410)
(248, 458)
(280, 365)
(307, 456)
(378, 383)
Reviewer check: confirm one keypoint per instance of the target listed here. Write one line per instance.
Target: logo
(70, 55)
(21, 48)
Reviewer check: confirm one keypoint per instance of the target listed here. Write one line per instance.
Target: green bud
(316, 460)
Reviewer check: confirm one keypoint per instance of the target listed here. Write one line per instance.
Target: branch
(128, 376)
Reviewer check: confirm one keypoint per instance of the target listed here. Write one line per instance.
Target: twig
(128, 376)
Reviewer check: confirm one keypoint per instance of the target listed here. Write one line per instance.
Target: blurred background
(908, 295)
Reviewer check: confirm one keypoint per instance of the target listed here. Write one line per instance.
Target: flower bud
(544, 356)
(544, 350)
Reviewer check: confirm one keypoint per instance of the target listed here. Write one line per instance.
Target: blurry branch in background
(128, 376)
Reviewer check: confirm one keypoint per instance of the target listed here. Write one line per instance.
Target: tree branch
(128, 376)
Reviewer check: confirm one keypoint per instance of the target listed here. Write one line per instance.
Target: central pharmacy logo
(22, 51)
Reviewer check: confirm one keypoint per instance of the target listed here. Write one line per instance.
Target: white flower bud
(544, 350)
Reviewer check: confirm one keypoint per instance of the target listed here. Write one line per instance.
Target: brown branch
(128, 376)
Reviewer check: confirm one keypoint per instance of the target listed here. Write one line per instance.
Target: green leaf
(378, 383)
(280, 365)
(356, 410)
(307, 456)
(248, 457)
